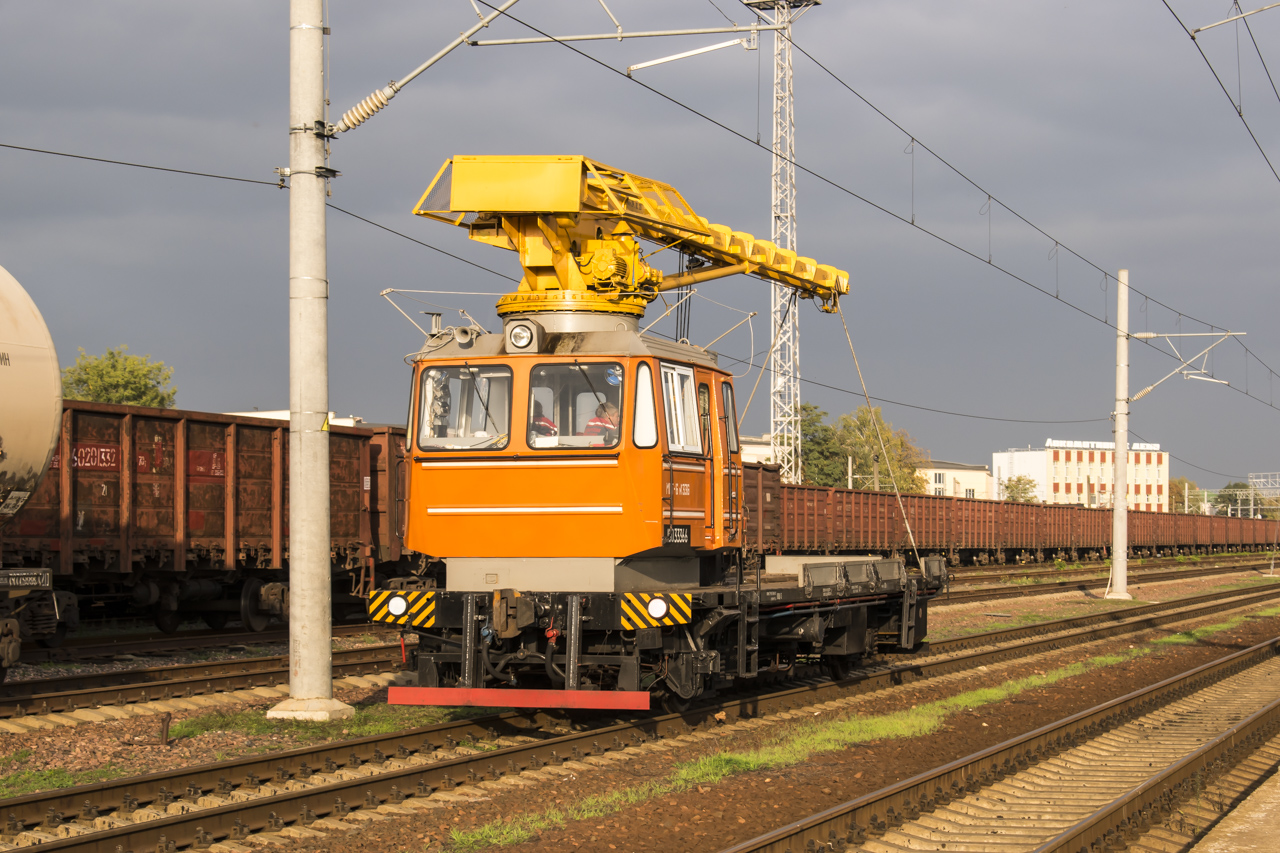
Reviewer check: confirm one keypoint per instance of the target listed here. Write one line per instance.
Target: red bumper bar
(514, 697)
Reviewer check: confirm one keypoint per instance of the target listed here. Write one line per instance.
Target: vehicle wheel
(673, 703)
(216, 619)
(55, 639)
(168, 621)
(837, 666)
(251, 616)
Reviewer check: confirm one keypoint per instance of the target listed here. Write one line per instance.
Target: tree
(1181, 497)
(1238, 499)
(825, 450)
(1020, 489)
(822, 460)
(117, 377)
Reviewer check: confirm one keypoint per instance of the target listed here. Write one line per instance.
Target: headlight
(398, 605)
(657, 607)
(521, 336)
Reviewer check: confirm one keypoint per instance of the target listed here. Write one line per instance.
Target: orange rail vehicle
(580, 483)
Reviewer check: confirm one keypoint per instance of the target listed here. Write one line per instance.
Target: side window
(730, 417)
(681, 405)
(644, 431)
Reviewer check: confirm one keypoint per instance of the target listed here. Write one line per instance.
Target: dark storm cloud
(1097, 121)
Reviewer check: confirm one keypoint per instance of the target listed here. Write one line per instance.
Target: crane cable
(875, 422)
(776, 334)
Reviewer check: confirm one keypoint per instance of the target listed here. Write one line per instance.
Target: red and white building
(1082, 472)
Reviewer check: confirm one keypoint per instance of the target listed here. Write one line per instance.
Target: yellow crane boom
(575, 224)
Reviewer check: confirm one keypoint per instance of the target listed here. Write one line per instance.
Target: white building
(957, 479)
(756, 448)
(1081, 472)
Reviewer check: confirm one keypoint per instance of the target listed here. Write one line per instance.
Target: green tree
(118, 377)
(1179, 497)
(1234, 498)
(1020, 489)
(822, 460)
(825, 450)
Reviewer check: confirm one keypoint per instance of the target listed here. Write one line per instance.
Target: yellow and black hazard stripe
(403, 607)
(638, 609)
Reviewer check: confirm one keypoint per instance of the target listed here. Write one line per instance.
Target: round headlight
(521, 336)
(398, 605)
(657, 607)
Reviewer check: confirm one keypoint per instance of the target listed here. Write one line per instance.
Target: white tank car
(30, 397)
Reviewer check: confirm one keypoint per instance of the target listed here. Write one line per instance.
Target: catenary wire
(906, 221)
(1192, 464)
(1270, 80)
(748, 362)
(421, 243)
(1238, 111)
(276, 184)
(141, 165)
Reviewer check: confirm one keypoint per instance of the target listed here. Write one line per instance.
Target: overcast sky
(1098, 122)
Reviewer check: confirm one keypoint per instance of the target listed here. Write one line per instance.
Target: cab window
(680, 403)
(465, 408)
(575, 405)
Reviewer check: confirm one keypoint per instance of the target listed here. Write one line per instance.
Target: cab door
(731, 455)
(686, 472)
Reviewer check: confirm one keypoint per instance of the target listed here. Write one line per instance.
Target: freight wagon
(971, 531)
(176, 513)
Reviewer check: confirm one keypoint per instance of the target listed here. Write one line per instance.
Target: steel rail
(94, 647)
(1078, 584)
(851, 823)
(272, 805)
(93, 690)
(1001, 574)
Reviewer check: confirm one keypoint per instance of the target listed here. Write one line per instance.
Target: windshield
(575, 405)
(465, 408)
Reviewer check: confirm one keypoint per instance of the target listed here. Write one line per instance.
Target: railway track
(88, 648)
(1150, 771)
(1002, 574)
(295, 791)
(74, 692)
(92, 690)
(1055, 583)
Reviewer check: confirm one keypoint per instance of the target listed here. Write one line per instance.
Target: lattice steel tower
(784, 364)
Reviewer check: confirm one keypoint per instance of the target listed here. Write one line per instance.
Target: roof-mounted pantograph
(575, 224)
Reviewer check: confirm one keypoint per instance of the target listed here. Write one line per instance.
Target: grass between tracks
(15, 782)
(373, 719)
(798, 743)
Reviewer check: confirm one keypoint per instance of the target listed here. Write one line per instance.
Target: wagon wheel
(837, 666)
(216, 619)
(672, 702)
(55, 639)
(167, 620)
(251, 616)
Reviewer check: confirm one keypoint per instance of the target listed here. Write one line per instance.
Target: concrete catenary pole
(310, 604)
(1120, 488)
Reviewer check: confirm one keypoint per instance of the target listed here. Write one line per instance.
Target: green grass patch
(374, 719)
(15, 783)
(1195, 635)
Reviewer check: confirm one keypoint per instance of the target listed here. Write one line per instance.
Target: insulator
(365, 110)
